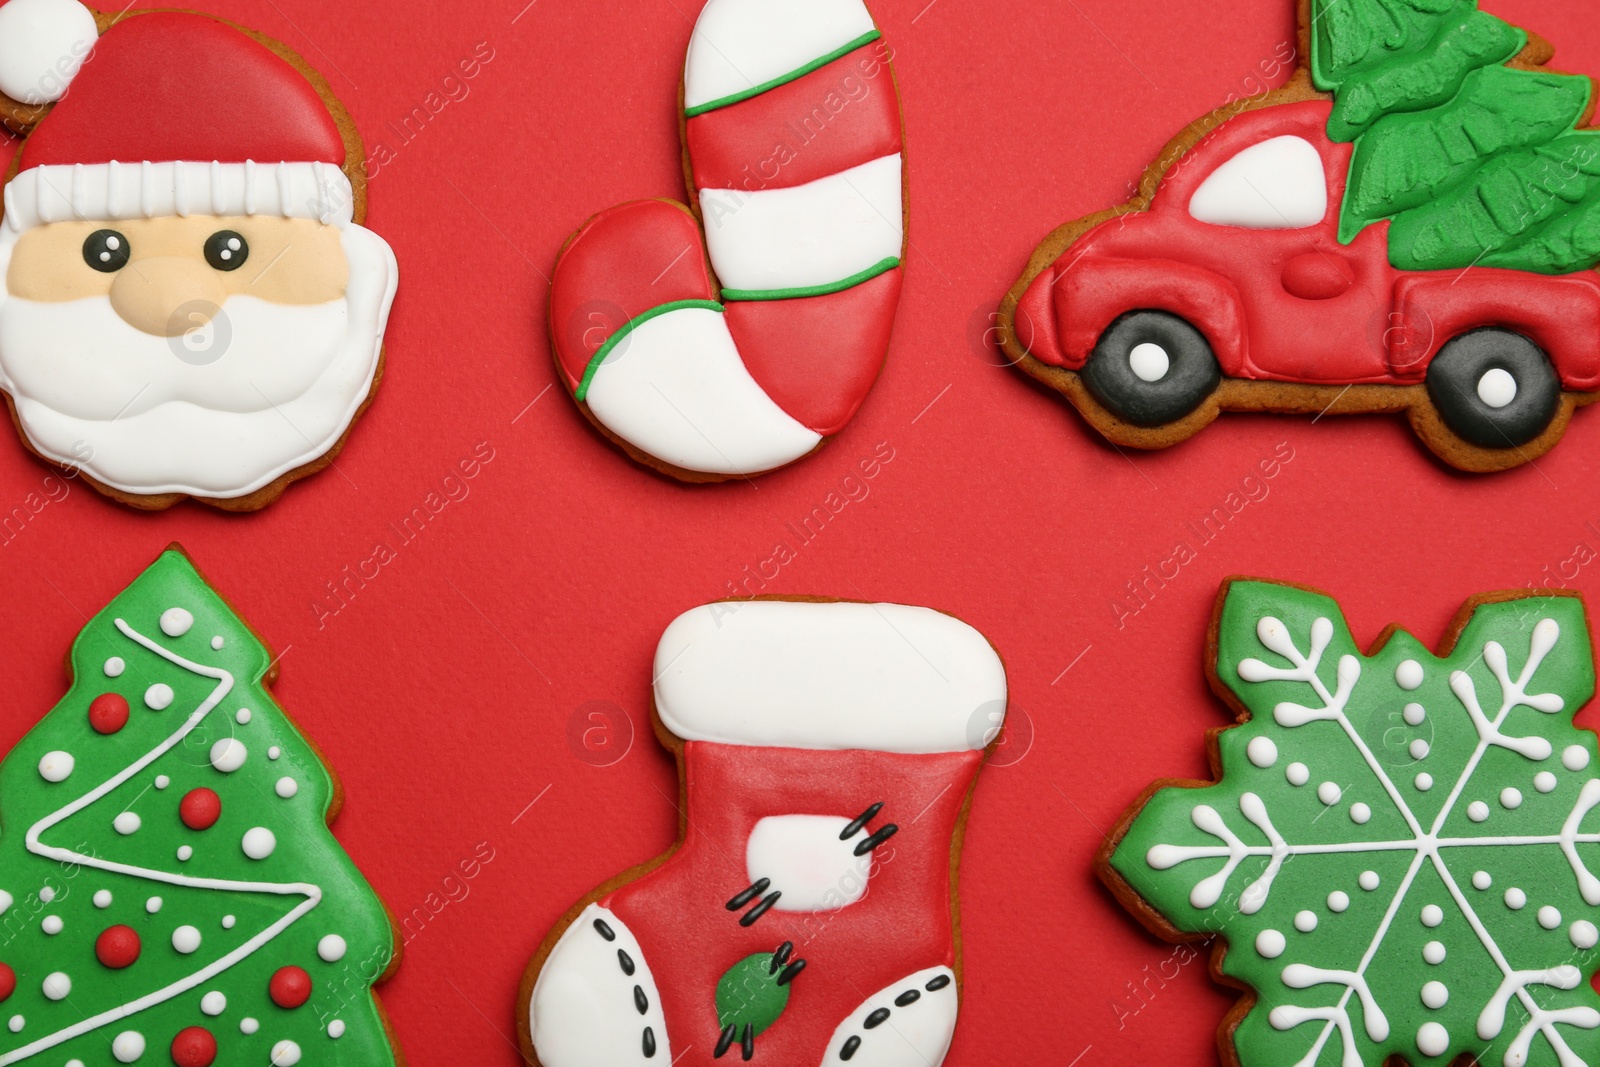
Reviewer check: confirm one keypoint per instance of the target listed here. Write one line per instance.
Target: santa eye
(106, 251)
(227, 250)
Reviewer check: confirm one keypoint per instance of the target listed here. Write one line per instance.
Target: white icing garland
(1426, 844)
(311, 893)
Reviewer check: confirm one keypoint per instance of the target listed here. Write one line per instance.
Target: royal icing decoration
(1416, 209)
(142, 339)
(821, 758)
(113, 964)
(792, 132)
(1366, 940)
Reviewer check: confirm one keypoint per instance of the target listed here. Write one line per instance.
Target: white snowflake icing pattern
(1426, 844)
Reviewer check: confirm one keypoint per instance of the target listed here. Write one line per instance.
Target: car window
(1275, 185)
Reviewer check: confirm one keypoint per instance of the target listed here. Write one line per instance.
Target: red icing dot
(290, 987)
(8, 981)
(117, 947)
(194, 1047)
(200, 810)
(108, 713)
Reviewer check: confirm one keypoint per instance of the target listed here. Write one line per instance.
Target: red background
(443, 691)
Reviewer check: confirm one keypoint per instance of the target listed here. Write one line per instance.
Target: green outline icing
(615, 339)
(828, 289)
(784, 79)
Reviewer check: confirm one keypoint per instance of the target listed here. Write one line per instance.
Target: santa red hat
(170, 113)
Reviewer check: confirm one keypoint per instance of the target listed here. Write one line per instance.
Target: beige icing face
(289, 261)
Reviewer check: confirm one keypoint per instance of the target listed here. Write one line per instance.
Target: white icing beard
(95, 393)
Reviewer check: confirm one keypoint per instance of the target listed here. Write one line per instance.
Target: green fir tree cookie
(170, 892)
(1400, 855)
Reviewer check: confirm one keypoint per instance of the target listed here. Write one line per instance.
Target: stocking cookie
(189, 306)
(1398, 858)
(1410, 225)
(170, 889)
(806, 914)
(734, 336)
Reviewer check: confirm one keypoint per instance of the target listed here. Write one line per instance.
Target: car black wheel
(1151, 368)
(1494, 388)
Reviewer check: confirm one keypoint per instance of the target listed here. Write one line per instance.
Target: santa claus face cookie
(188, 306)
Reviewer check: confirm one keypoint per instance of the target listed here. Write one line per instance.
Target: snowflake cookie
(1400, 852)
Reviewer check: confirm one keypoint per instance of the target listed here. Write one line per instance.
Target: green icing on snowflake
(1400, 850)
(94, 839)
(1476, 163)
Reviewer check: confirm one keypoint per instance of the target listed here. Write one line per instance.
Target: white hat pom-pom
(42, 45)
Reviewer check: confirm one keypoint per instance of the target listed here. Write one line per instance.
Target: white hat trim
(115, 191)
(789, 674)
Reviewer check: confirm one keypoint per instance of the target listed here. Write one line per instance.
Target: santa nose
(167, 295)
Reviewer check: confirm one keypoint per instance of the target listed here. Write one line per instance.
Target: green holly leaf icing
(94, 839)
(1402, 850)
(1475, 162)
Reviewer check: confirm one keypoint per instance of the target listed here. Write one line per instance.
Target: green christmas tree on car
(169, 887)
(1410, 225)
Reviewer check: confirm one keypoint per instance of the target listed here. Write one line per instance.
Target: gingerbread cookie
(1398, 858)
(821, 755)
(1410, 225)
(792, 152)
(189, 306)
(170, 889)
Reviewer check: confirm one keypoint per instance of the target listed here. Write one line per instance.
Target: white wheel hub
(1151, 363)
(1497, 388)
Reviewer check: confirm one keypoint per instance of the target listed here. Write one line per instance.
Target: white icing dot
(152, 905)
(1435, 995)
(1369, 880)
(127, 823)
(242, 716)
(274, 752)
(1544, 782)
(1497, 388)
(1516, 899)
(1419, 749)
(285, 1054)
(185, 853)
(175, 622)
(51, 925)
(1548, 917)
(228, 755)
(1305, 921)
(1424, 782)
(1477, 811)
(102, 898)
(216, 643)
(214, 1003)
(1584, 934)
(1481, 880)
(56, 986)
(158, 697)
(5, 900)
(1575, 758)
(332, 948)
(1338, 900)
(1263, 752)
(258, 843)
(336, 1029)
(1270, 944)
(128, 1046)
(1433, 952)
(1408, 675)
(248, 1025)
(1150, 362)
(162, 781)
(1360, 813)
(114, 667)
(186, 939)
(1329, 793)
(228, 921)
(1510, 798)
(1432, 915)
(1415, 714)
(56, 766)
(47, 894)
(287, 787)
(1433, 1039)
(17, 1023)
